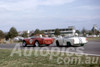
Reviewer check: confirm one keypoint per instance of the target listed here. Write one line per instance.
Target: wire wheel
(57, 43)
(37, 44)
(24, 44)
(68, 44)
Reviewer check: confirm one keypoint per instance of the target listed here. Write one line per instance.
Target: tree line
(13, 33)
(84, 32)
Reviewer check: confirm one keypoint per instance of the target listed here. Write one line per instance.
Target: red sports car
(37, 41)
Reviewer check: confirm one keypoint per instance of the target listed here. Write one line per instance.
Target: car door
(31, 41)
(64, 41)
(61, 40)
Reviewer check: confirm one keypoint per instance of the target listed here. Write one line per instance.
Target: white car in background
(71, 41)
(18, 38)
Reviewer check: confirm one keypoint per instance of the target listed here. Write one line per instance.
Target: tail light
(86, 39)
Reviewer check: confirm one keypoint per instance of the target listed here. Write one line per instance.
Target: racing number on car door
(31, 41)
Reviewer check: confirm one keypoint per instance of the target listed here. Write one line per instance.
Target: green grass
(36, 61)
(94, 38)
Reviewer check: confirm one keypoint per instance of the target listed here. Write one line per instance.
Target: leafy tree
(32, 34)
(12, 33)
(77, 31)
(7, 36)
(57, 32)
(84, 31)
(25, 34)
(90, 32)
(37, 31)
(1, 34)
(42, 32)
(97, 32)
(94, 31)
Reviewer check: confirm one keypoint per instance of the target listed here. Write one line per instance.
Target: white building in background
(64, 31)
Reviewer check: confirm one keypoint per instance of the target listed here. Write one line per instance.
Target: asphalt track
(92, 47)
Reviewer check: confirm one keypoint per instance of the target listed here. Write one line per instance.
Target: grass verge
(94, 38)
(41, 61)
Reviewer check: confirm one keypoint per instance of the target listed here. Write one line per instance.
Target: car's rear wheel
(57, 43)
(36, 44)
(68, 44)
(24, 44)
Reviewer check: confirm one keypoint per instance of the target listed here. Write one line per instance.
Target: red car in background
(37, 41)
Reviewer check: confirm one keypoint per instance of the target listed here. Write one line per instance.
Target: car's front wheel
(24, 44)
(68, 44)
(57, 43)
(36, 44)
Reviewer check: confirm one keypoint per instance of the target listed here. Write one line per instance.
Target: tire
(47, 44)
(57, 43)
(68, 44)
(82, 44)
(36, 44)
(24, 44)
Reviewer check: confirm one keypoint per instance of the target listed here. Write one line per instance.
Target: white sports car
(71, 41)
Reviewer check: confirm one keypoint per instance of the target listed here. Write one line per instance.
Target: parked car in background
(37, 41)
(71, 41)
(18, 38)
